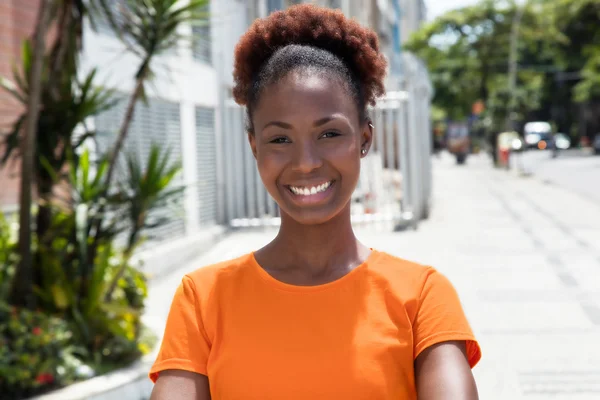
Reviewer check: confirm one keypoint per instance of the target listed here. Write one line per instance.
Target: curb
(132, 382)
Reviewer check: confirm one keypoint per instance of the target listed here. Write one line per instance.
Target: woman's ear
(252, 141)
(366, 138)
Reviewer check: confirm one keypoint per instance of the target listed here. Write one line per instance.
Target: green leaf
(11, 88)
(11, 141)
(60, 297)
(49, 169)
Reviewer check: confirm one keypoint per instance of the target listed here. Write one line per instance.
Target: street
(573, 169)
(524, 256)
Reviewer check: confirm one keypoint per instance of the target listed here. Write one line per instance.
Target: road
(528, 276)
(574, 170)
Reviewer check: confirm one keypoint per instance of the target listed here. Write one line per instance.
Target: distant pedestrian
(315, 314)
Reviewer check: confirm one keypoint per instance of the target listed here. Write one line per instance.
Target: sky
(436, 8)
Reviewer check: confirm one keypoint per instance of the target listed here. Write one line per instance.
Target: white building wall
(413, 15)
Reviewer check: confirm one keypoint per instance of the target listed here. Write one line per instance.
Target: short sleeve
(440, 317)
(185, 345)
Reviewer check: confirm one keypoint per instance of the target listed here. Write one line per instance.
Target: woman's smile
(311, 195)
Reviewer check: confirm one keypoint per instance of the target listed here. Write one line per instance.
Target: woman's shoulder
(206, 276)
(392, 265)
(400, 273)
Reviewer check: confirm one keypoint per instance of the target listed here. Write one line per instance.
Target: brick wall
(17, 21)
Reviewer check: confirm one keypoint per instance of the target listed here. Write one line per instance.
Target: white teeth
(305, 191)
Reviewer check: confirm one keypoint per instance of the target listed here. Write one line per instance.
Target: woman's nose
(306, 158)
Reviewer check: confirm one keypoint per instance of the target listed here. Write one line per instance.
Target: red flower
(44, 378)
(37, 331)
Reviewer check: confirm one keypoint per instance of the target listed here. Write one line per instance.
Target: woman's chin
(320, 216)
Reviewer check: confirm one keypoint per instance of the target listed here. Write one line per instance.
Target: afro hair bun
(310, 25)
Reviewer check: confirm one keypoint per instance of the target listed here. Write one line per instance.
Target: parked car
(538, 135)
(562, 141)
(596, 144)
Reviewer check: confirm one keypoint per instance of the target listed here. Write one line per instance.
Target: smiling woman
(315, 314)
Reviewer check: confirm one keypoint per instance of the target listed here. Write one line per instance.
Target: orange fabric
(355, 338)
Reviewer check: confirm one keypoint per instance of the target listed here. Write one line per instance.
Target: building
(413, 15)
(17, 20)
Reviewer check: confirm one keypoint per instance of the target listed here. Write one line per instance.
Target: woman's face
(307, 143)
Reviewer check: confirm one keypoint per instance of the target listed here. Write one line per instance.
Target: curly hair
(312, 37)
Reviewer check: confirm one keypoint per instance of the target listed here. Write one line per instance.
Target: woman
(315, 314)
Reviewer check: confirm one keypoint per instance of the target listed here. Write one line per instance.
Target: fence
(395, 181)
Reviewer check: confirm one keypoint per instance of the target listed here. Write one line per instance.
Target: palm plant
(65, 107)
(81, 272)
(147, 28)
(145, 190)
(54, 105)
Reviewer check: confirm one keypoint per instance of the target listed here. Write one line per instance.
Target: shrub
(8, 257)
(36, 352)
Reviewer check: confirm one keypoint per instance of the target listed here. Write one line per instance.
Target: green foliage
(144, 190)
(467, 53)
(101, 297)
(101, 291)
(90, 296)
(62, 113)
(581, 52)
(8, 257)
(37, 352)
(149, 189)
(589, 87)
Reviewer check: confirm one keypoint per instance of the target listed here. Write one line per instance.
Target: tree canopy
(467, 51)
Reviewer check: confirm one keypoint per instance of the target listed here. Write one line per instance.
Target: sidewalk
(525, 259)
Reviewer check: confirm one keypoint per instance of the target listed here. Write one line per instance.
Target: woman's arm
(442, 372)
(180, 385)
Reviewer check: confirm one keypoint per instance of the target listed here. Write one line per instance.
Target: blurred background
(124, 165)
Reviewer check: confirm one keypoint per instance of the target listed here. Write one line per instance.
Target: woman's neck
(326, 250)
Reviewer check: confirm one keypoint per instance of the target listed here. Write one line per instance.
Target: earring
(363, 151)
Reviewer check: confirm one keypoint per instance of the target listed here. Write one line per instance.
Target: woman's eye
(330, 134)
(280, 140)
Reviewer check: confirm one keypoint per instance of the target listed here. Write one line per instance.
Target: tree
(579, 21)
(463, 48)
(467, 52)
(21, 290)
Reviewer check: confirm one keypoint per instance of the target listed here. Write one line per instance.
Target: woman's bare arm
(442, 372)
(180, 385)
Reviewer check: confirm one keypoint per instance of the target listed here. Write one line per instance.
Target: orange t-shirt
(355, 338)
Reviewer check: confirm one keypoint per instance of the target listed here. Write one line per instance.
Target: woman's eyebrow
(317, 123)
(323, 121)
(279, 124)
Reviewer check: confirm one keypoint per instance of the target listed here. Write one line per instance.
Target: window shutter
(206, 164)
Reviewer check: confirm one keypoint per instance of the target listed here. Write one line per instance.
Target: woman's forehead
(304, 92)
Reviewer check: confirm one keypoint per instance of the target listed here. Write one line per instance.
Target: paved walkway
(525, 258)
